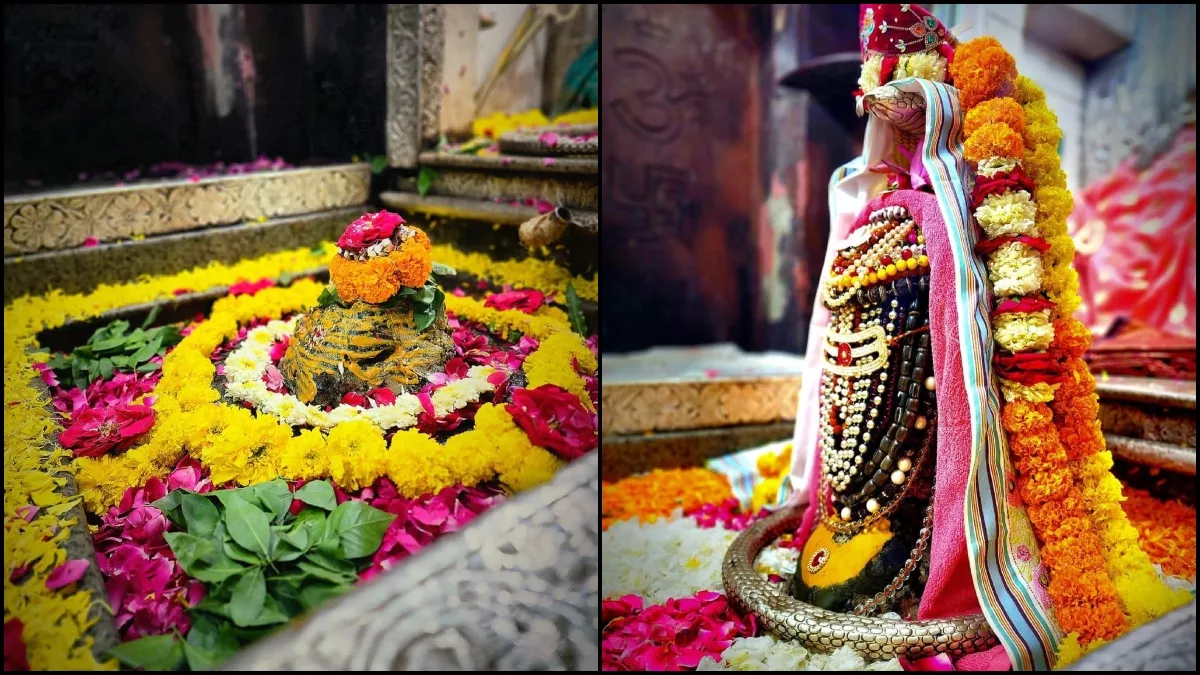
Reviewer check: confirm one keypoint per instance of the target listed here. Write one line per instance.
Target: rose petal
(433, 513)
(67, 573)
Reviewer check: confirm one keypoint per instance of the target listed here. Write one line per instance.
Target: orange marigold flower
(657, 494)
(412, 262)
(1001, 110)
(377, 279)
(1072, 340)
(982, 69)
(993, 139)
(1166, 530)
(1019, 417)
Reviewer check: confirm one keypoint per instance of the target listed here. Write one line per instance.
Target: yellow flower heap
(1101, 582)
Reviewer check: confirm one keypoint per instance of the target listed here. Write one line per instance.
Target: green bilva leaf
(149, 367)
(360, 528)
(297, 538)
(169, 504)
(425, 180)
(217, 566)
(227, 496)
(188, 549)
(439, 300)
(154, 652)
(423, 317)
(270, 613)
(329, 297)
(137, 337)
(424, 295)
(274, 496)
(209, 642)
(106, 368)
(312, 521)
(240, 554)
(154, 312)
(200, 517)
(313, 595)
(575, 311)
(320, 572)
(109, 344)
(378, 164)
(170, 335)
(318, 493)
(248, 525)
(249, 593)
(285, 551)
(443, 270)
(147, 350)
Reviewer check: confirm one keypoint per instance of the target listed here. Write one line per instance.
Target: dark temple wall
(714, 177)
(96, 88)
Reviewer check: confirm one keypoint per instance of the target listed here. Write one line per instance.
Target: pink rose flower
(96, 431)
(368, 229)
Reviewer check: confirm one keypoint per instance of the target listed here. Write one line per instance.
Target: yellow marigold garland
(539, 275)
(1101, 580)
(238, 446)
(55, 620)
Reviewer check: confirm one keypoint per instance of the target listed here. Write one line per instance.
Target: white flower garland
(246, 365)
(669, 558)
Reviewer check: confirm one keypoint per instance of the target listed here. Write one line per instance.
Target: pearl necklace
(854, 390)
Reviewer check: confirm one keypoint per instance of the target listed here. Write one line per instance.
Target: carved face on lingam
(380, 322)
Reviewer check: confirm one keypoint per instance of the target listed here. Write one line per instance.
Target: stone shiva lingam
(379, 323)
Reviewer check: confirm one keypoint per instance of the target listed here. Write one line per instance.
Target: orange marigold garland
(1004, 111)
(1085, 600)
(1100, 581)
(982, 69)
(659, 493)
(994, 139)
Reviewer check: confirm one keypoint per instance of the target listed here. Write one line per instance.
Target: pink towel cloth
(949, 591)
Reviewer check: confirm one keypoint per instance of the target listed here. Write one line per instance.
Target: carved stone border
(517, 589)
(642, 407)
(415, 42)
(66, 218)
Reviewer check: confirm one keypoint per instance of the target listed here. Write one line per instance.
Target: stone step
(483, 226)
(78, 270)
(478, 209)
(564, 181)
(63, 219)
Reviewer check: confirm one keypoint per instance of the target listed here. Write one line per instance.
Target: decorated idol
(950, 482)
